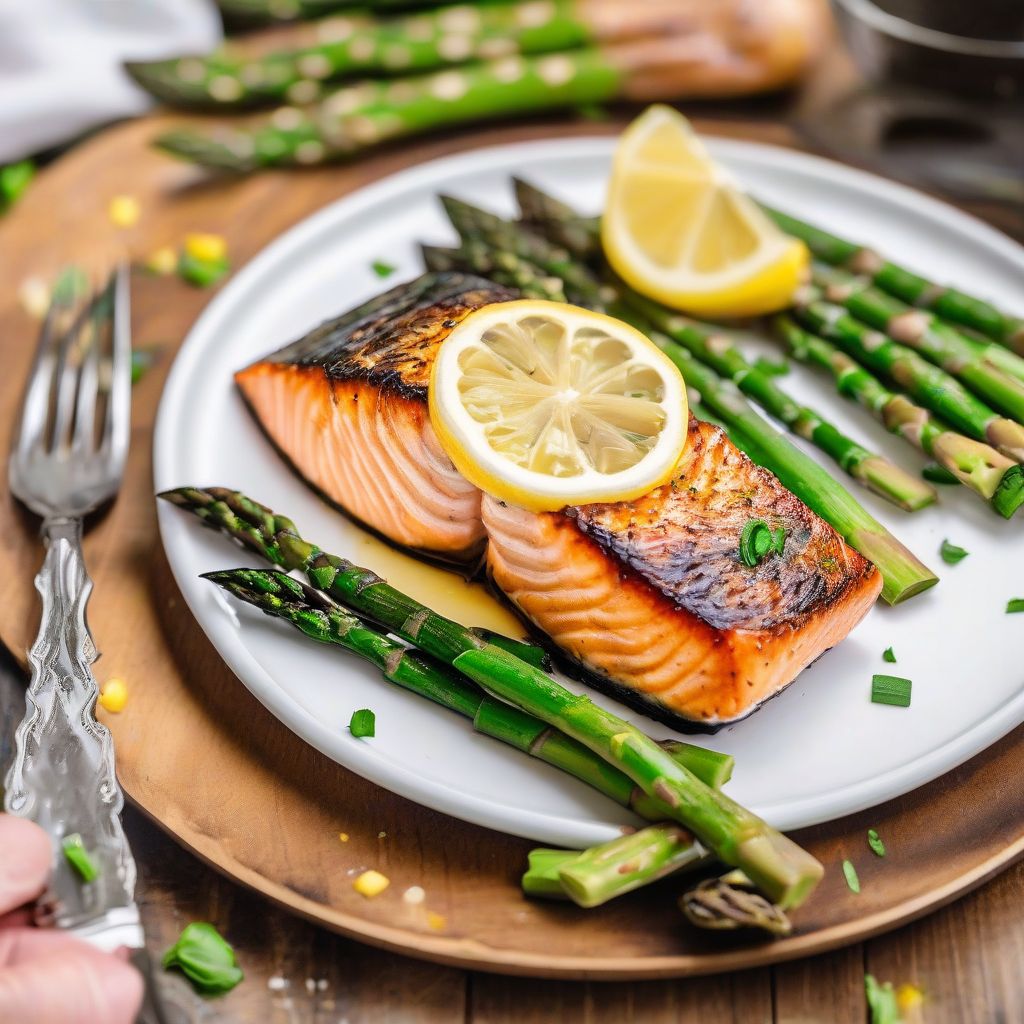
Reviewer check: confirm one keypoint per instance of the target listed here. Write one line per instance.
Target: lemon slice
(678, 229)
(546, 405)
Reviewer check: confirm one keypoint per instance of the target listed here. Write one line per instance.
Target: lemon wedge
(678, 229)
(546, 405)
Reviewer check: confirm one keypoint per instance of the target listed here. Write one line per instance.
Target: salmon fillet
(347, 407)
(648, 598)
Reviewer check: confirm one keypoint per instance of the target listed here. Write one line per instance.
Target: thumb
(68, 982)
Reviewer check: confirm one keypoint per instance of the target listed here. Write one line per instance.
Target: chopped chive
(851, 876)
(951, 554)
(14, 179)
(382, 269)
(362, 723)
(772, 367)
(78, 857)
(1015, 604)
(889, 656)
(876, 844)
(938, 474)
(882, 1002)
(757, 540)
(890, 690)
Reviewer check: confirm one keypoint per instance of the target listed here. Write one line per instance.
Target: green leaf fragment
(362, 723)
(14, 179)
(201, 273)
(876, 844)
(951, 554)
(882, 1001)
(382, 269)
(889, 656)
(851, 876)
(890, 690)
(938, 474)
(205, 959)
(78, 857)
(1015, 604)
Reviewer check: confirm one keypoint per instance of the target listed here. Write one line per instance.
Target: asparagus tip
(719, 905)
(1009, 495)
(198, 148)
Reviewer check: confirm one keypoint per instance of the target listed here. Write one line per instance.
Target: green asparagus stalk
(714, 349)
(931, 387)
(992, 476)
(541, 876)
(348, 48)
(785, 872)
(251, 13)
(903, 574)
(949, 303)
(959, 356)
(502, 267)
(319, 617)
(559, 222)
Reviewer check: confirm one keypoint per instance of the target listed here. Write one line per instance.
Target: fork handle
(63, 771)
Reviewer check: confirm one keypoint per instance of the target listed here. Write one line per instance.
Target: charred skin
(648, 599)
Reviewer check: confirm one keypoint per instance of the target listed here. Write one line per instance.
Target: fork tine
(83, 438)
(66, 375)
(35, 403)
(118, 419)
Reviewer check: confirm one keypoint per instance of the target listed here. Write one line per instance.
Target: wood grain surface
(200, 755)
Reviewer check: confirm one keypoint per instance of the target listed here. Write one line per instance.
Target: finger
(70, 983)
(20, 918)
(25, 865)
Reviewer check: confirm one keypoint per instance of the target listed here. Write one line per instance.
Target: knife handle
(63, 776)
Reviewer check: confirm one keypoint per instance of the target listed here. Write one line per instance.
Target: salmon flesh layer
(649, 598)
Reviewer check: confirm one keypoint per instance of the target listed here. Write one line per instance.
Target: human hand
(48, 976)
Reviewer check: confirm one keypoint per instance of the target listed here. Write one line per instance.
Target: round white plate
(818, 751)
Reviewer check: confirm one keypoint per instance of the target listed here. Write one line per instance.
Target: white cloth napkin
(60, 62)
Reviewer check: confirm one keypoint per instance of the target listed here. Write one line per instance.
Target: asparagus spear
(924, 332)
(993, 476)
(502, 267)
(949, 303)
(785, 872)
(415, 43)
(559, 222)
(264, 12)
(318, 616)
(726, 903)
(930, 386)
(714, 349)
(903, 574)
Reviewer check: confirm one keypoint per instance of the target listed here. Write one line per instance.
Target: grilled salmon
(648, 598)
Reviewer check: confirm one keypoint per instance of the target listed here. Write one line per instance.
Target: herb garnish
(889, 656)
(890, 690)
(876, 844)
(851, 876)
(881, 1001)
(78, 857)
(757, 540)
(1015, 604)
(205, 959)
(362, 723)
(951, 554)
(382, 269)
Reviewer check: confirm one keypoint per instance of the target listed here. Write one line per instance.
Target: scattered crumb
(277, 983)
(414, 894)
(382, 835)
(321, 985)
(34, 296)
(124, 211)
(162, 261)
(371, 883)
(343, 837)
(436, 921)
(114, 695)
(310, 986)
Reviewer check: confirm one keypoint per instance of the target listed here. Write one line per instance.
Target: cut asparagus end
(721, 905)
(1007, 437)
(894, 483)
(1009, 495)
(712, 767)
(784, 871)
(903, 574)
(541, 877)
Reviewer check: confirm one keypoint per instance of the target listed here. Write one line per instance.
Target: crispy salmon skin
(347, 406)
(650, 598)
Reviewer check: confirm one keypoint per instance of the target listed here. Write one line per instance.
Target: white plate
(818, 751)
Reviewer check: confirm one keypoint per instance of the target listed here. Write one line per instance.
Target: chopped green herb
(199, 272)
(951, 554)
(881, 1002)
(205, 959)
(78, 857)
(889, 656)
(363, 723)
(890, 690)
(14, 179)
(1015, 604)
(771, 367)
(876, 844)
(382, 269)
(851, 876)
(938, 474)
(758, 540)
(142, 360)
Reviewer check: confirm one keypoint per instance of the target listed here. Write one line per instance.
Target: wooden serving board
(200, 755)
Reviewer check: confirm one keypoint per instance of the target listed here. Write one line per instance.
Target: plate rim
(404, 780)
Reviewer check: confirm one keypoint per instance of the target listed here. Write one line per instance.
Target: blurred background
(925, 90)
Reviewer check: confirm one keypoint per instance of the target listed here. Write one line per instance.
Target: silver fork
(66, 460)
